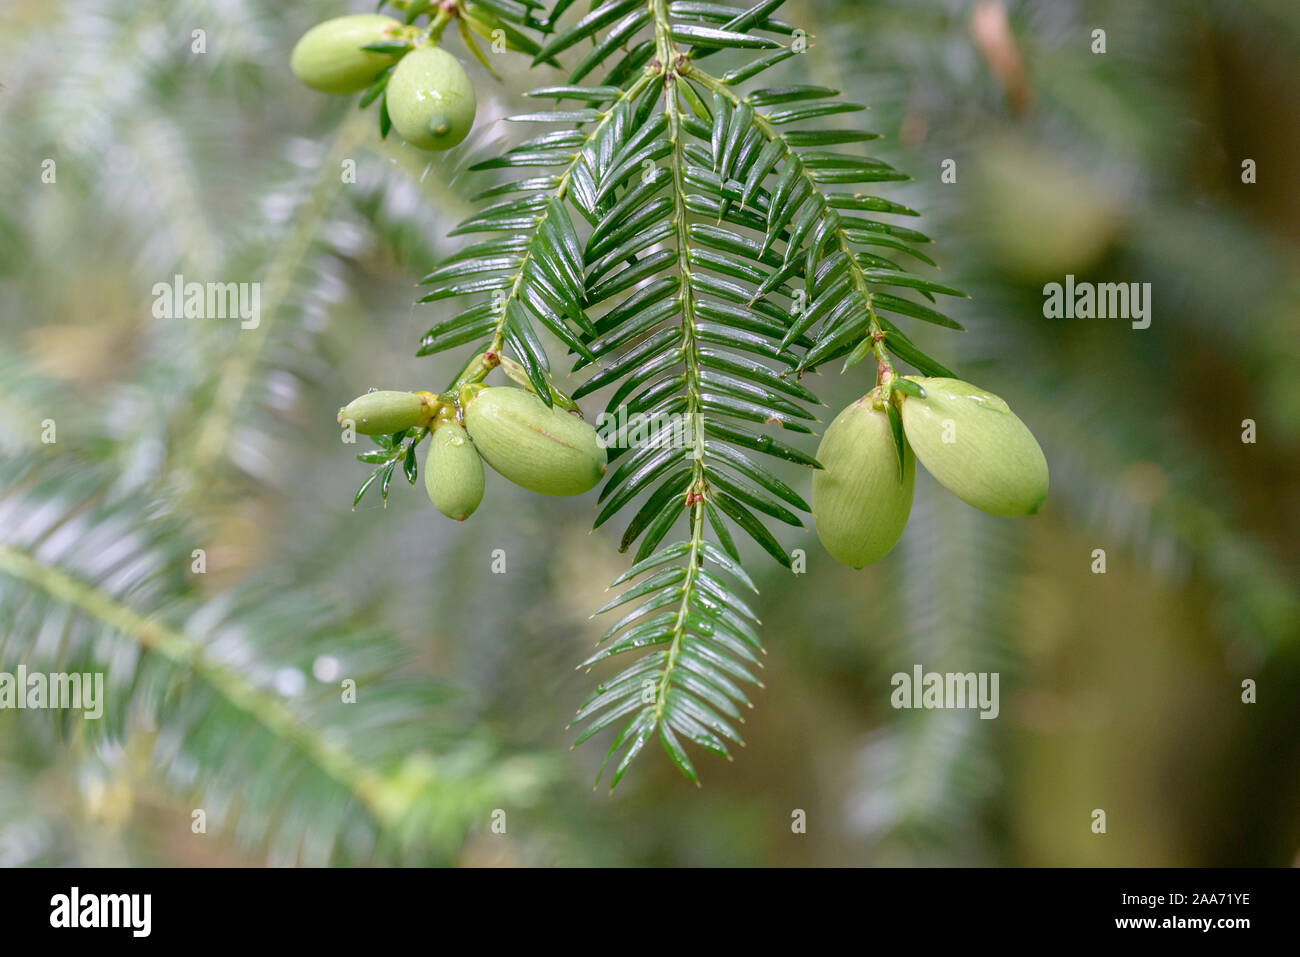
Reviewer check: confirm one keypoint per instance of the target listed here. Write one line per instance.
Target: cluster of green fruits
(539, 447)
(429, 98)
(968, 439)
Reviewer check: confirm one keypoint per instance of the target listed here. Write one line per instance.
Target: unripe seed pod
(976, 447)
(329, 57)
(453, 472)
(859, 503)
(430, 99)
(382, 413)
(543, 449)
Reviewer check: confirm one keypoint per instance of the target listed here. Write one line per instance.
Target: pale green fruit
(547, 450)
(430, 99)
(329, 57)
(1043, 214)
(453, 472)
(976, 447)
(859, 502)
(383, 413)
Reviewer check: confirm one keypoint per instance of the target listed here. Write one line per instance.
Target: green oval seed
(976, 447)
(859, 503)
(383, 413)
(329, 57)
(453, 472)
(543, 449)
(430, 99)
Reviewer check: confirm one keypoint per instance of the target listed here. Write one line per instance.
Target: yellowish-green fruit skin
(329, 57)
(383, 413)
(859, 503)
(453, 472)
(430, 99)
(976, 447)
(546, 450)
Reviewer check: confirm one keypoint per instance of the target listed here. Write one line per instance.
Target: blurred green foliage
(1120, 691)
